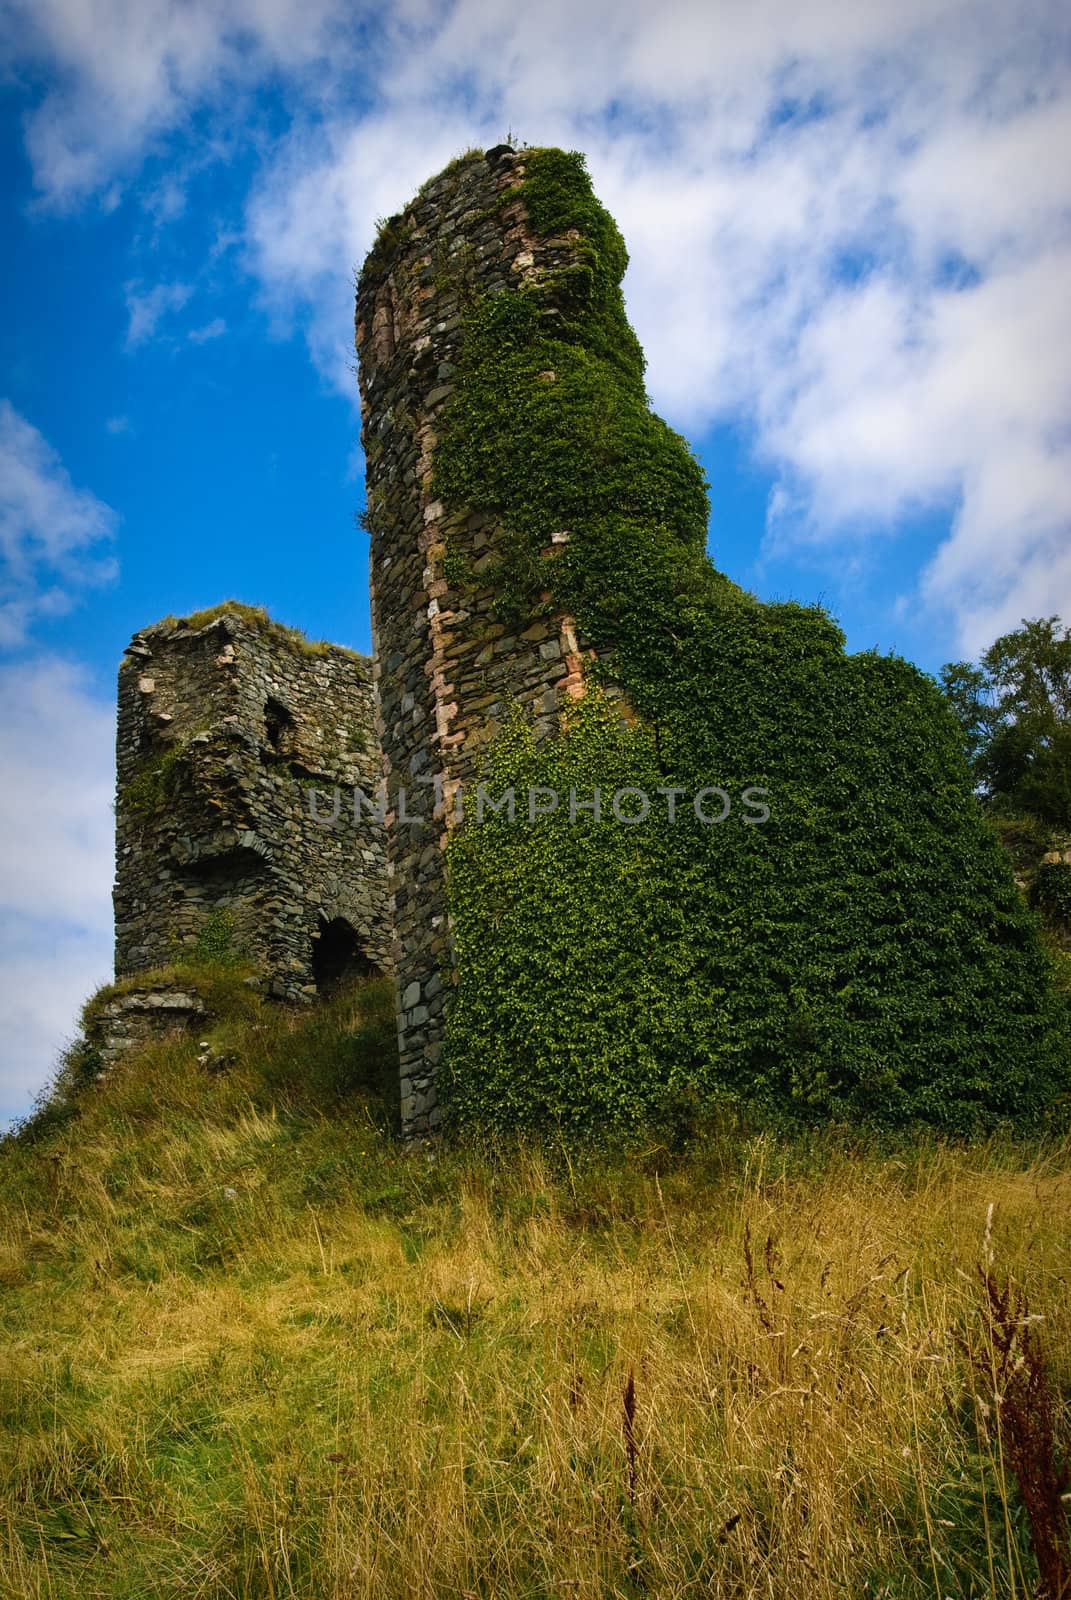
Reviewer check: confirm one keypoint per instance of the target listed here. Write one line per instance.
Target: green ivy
(1052, 891)
(216, 939)
(865, 953)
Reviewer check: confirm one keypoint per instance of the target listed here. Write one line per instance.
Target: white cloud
(315, 219)
(56, 767)
(850, 230)
(849, 225)
(146, 308)
(125, 72)
(50, 531)
(56, 854)
(211, 330)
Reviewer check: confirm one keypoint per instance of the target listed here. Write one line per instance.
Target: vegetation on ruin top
(258, 618)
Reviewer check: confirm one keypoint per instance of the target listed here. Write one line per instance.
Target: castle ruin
(226, 723)
(537, 533)
(446, 669)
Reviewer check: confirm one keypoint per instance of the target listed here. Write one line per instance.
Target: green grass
(251, 1347)
(257, 617)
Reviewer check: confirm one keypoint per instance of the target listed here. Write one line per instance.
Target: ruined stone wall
(446, 670)
(223, 729)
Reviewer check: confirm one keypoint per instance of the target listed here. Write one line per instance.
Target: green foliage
(589, 305)
(155, 783)
(1052, 891)
(458, 570)
(391, 234)
(968, 693)
(79, 1066)
(347, 1052)
(1026, 839)
(215, 940)
(1015, 711)
(1060, 962)
(864, 953)
(341, 1052)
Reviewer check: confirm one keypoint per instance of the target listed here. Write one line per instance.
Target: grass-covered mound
(865, 951)
(251, 1350)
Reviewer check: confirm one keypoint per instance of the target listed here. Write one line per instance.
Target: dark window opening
(236, 867)
(337, 957)
(277, 725)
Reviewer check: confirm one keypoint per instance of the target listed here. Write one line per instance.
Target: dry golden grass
(250, 1349)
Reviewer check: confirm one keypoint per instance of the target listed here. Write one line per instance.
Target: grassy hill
(251, 1348)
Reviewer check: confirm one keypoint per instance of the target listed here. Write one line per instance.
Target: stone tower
(446, 672)
(226, 721)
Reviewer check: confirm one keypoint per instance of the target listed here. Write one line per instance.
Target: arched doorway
(337, 957)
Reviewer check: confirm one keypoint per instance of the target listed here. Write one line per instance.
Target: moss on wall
(864, 952)
(155, 783)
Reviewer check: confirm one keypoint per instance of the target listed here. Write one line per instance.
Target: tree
(1015, 711)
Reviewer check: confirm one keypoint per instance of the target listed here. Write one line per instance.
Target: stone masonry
(446, 672)
(224, 727)
(228, 720)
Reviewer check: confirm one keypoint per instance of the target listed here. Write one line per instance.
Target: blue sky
(850, 232)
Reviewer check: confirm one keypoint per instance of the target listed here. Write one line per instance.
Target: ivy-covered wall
(862, 952)
(456, 641)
